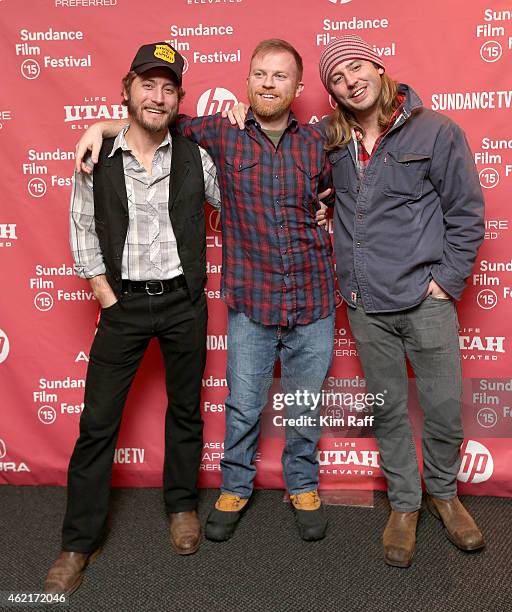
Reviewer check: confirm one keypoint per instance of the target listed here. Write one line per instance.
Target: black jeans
(122, 337)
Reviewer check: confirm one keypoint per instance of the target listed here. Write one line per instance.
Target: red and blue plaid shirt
(277, 262)
(363, 156)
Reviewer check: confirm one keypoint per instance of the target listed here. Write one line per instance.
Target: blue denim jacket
(416, 214)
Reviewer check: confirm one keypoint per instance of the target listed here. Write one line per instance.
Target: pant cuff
(240, 495)
(182, 508)
(303, 490)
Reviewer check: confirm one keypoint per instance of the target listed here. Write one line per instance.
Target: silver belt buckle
(150, 292)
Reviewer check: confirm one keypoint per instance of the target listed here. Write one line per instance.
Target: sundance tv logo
(477, 464)
(215, 101)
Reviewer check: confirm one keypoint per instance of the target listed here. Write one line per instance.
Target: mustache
(265, 91)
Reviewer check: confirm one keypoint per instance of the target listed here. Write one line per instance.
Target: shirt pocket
(241, 177)
(239, 164)
(405, 174)
(307, 174)
(308, 171)
(340, 161)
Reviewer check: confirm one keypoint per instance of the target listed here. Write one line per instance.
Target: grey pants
(428, 336)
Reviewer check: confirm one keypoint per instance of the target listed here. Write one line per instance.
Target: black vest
(186, 211)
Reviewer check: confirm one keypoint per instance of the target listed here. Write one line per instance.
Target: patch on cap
(164, 52)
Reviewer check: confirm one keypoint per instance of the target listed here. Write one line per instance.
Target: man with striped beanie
(408, 222)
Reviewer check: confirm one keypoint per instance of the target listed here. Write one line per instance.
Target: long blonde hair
(340, 124)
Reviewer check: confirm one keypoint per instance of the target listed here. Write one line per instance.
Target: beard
(161, 122)
(270, 109)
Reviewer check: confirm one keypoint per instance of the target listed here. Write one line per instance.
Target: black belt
(154, 287)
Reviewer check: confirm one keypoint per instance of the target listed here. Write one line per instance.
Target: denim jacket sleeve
(455, 178)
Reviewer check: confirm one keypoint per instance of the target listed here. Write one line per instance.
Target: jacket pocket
(405, 174)
(339, 165)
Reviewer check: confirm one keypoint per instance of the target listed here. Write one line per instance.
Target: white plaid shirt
(150, 251)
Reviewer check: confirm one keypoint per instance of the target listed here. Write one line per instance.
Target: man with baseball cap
(408, 223)
(131, 238)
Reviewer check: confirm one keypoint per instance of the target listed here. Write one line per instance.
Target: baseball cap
(158, 55)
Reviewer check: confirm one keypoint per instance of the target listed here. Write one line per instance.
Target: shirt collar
(120, 142)
(394, 119)
(292, 125)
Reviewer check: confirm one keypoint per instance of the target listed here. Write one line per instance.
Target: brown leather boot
(399, 538)
(67, 573)
(460, 528)
(185, 532)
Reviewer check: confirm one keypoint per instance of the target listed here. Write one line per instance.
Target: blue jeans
(305, 352)
(428, 336)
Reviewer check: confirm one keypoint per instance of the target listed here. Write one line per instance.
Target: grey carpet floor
(265, 567)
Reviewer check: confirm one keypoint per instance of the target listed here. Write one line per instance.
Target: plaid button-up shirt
(363, 156)
(277, 263)
(150, 251)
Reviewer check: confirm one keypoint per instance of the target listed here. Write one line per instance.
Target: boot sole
(398, 564)
(227, 531)
(190, 551)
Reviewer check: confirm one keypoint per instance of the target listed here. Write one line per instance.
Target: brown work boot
(399, 538)
(460, 528)
(224, 517)
(185, 532)
(310, 515)
(67, 573)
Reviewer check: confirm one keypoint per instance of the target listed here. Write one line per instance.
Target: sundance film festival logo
(3, 449)
(215, 101)
(4, 346)
(47, 415)
(477, 464)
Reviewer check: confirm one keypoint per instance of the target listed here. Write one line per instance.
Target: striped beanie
(342, 49)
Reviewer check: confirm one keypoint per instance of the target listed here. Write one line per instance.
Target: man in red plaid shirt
(277, 280)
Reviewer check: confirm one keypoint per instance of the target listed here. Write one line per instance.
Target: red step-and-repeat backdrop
(62, 64)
